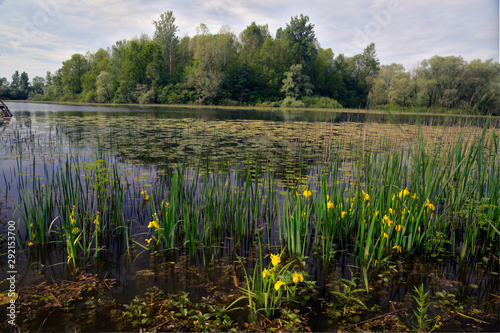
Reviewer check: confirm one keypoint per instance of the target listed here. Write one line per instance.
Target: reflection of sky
(38, 35)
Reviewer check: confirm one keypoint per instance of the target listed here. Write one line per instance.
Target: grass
(392, 203)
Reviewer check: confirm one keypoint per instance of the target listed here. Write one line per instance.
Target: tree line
(254, 68)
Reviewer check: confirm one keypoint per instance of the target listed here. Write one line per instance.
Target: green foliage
(421, 312)
(299, 34)
(218, 68)
(291, 102)
(296, 83)
(440, 82)
(347, 296)
(321, 102)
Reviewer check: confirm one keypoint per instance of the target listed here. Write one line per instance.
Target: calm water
(144, 144)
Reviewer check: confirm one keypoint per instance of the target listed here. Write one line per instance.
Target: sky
(36, 36)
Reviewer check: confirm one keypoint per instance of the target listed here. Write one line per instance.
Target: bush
(290, 102)
(321, 102)
(228, 102)
(268, 104)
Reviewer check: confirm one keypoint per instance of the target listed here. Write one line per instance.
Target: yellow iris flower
(297, 277)
(275, 259)
(278, 284)
(366, 195)
(153, 224)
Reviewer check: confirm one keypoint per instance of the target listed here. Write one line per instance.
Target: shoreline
(257, 108)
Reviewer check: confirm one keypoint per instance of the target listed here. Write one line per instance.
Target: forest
(255, 68)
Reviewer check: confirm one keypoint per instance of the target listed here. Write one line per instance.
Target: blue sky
(38, 35)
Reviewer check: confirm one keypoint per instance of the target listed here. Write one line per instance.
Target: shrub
(321, 102)
(290, 102)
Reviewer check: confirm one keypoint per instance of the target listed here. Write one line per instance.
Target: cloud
(38, 32)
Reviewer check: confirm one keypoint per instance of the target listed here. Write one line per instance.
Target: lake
(367, 207)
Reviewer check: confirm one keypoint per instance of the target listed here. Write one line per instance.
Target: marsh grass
(381, 198)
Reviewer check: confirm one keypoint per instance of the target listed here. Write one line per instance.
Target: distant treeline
(257, 69)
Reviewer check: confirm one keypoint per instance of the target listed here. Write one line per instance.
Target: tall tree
(72, 74)
(24, 82)
(38, 85)
(299, 33)
(165, 36)
(15, 80)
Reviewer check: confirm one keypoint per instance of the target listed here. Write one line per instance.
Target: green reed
(433, 197)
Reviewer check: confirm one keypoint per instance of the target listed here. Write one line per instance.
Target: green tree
(243, 84)
(24, 85)
(15, 81)
(400, 89)
(213, 58)
(296, 83)
(380, 82)
(325, 79)
(299, 34)
(38, 85)
(165, 36)
(104, 84)
(72, 74)
(252, 39)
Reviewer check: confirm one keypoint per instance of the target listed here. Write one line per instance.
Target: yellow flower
(343, 214)
(264, 272)
(429, 205)
(278, 284)
(76, 230)
(399, 227)
(306, 193)
(398, 248)
(390, 211)
(403, 193)
(297, 277)
(275, 259)
(415, 196)
(376, 213)
(148, 240)
(366, 195)
(329, 205)
(30, 244)
(385, 235)
(418, 229)
(153, 224)
(96, 220)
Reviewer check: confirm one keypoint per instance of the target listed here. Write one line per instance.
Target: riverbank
(260, 108)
